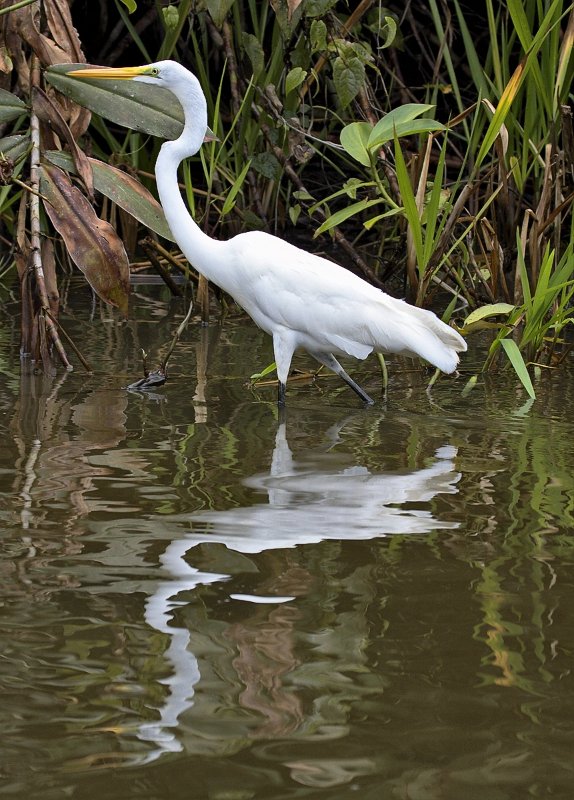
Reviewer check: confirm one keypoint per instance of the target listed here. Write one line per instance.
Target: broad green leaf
(11, 106)
(383, 130)
(515, 358)
(138, 106)
(254, 50)
(92, 243)
(410, 128)
(344, 213)
(318, 36)
(218, 10)
(131, 5)
(490, 310)
(348, 77)
(295, 78)
(124, 190)
(354, 138)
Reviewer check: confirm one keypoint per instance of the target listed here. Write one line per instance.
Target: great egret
(300, 299)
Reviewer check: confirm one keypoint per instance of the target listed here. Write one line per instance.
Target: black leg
(329, 361)
(281, 394)
(356, 388)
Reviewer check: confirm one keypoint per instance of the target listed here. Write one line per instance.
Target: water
(200, 600)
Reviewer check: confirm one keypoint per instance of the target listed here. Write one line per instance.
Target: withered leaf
(60, 25)
(92, 243)
(123, 189)
(49, 113)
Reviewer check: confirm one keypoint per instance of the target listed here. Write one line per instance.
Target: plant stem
(35, 228)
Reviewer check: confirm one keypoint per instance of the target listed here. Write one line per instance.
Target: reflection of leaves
(92, 243)
(123, 189)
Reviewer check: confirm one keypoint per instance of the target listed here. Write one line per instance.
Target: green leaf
(490, 310)
(388, 31)
(515, 358)
(258, 375)
(11, 106)
(218, 10)
(354, 139)
(295, 78)
(134, 105)
(410, 205)
(124, 190)
(407, 129)
(318, 36)
(266, 164)
(254, 50)
(131, 5)
(14, 147)
(402, 120)
(349, 77)
(344, 213)
(232, 194)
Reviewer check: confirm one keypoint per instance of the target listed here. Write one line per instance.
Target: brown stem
(35, 230)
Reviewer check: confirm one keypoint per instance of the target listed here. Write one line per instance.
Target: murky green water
(200, 601)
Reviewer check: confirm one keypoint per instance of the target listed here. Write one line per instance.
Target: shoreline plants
(429, 148)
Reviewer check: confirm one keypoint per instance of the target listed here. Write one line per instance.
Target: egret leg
(328, 360)
(281, 394)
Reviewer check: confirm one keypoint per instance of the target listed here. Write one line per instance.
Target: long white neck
(201, 251)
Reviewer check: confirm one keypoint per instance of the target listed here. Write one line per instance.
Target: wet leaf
(11, 106)
(50, 113)
(138, 106)
(93, 244)
(123, 189)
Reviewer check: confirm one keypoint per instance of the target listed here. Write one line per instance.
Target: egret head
(168, 74)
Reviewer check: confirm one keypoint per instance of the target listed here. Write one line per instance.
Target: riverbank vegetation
(430, 148)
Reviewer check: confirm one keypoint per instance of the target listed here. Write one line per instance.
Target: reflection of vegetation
(460, 636)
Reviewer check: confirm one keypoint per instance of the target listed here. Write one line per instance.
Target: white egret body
(300, 299)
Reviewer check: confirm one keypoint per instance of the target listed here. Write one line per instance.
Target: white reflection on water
(309, 504)
(306, 502)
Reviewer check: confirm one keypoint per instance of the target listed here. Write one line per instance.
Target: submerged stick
(158, 377)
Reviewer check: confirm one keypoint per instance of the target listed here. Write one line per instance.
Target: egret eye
(154, 71)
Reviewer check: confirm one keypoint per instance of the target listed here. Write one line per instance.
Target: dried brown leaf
(92, 243)
(60, 25)
(48, 112)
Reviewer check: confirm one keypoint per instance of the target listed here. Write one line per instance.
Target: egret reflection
(304, 500)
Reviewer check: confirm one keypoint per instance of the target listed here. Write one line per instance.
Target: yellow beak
(112, 73)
